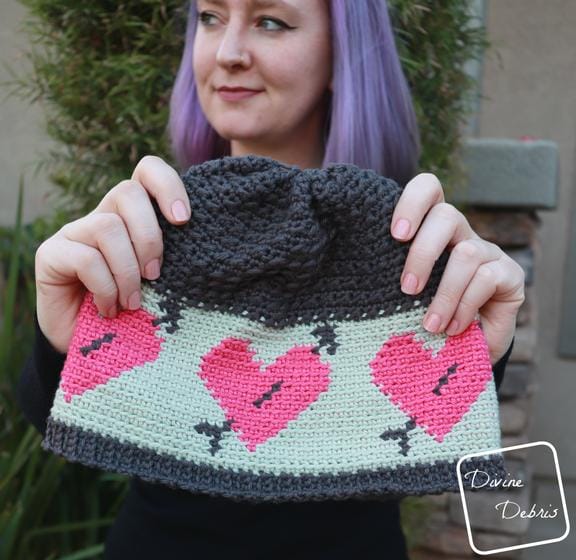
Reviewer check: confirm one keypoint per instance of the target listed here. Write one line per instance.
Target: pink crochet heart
(104, 348)
(436, 391)
(260, 402)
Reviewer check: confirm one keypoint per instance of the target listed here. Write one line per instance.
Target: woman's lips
(228, 95)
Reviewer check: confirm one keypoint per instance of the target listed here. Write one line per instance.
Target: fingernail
(179, 211)
(409, 283)
(152, 269)
(432, 322)
(401, 229)
(112, 311)
(452, 327)
(134, 300)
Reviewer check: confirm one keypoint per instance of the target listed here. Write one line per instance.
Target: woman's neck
(304, 147)
(303, 159)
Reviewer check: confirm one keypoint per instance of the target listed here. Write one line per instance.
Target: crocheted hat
(276, 357)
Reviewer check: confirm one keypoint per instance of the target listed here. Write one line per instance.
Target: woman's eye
(277, 25)
(203, 16)
(277, 22)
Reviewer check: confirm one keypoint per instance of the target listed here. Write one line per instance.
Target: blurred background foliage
(103, 71)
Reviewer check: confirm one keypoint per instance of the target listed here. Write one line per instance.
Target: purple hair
(371, 121)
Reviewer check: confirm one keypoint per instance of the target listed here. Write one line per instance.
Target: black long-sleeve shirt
(157, 521)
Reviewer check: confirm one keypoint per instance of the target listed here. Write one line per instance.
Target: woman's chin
(240, 133)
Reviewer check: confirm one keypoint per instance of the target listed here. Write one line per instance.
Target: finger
(106, 233)
(78, 260)
(479, 291)
(162, 183)
(497, 291)
(165, 185)
(444, 226)
(465, 260)
(419, 195)
(509, 280)
(130, 200)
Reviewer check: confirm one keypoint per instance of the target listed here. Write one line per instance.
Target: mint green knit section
(158, 405)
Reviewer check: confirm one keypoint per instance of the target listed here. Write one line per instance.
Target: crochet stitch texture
(276, 357)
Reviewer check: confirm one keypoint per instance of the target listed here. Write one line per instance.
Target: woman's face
(281, 49)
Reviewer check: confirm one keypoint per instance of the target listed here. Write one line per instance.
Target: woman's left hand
(479, 276)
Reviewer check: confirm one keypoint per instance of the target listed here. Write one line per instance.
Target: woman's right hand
(107, 251)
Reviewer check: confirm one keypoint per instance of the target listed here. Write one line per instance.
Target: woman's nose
(232, 50)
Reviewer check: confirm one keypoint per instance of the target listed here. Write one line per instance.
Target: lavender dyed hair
(371, 121)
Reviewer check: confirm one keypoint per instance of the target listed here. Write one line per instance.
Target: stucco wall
(22, 140)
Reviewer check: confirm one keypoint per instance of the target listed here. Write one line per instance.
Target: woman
(306, 82)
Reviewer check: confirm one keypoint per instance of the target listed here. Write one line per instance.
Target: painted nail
(452, 327)
(432, 322)
(152, 269)
(179, 211)
(401, 229)
(409, 283)
(134, 300)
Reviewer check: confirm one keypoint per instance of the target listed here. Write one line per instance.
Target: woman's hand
(108, 250)
(479, 276)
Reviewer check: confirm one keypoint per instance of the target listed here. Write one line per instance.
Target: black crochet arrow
(444, 379)
(327, 337)
(402, 435)
(215, 432)
(267, 396)
(96, 343)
